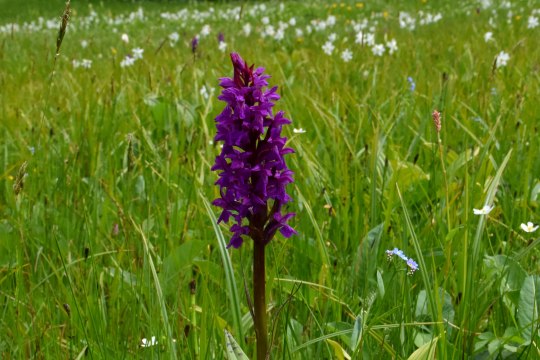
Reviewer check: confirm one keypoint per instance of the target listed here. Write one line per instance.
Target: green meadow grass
(106, 232)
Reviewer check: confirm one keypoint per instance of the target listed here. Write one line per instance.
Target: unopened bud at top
(437, 120)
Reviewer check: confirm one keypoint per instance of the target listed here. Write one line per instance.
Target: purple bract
(253, 174)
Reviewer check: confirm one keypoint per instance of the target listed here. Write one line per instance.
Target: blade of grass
(232, 289)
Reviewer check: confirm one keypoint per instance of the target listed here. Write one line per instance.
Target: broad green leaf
(426, 351)
(234, 351)
(179, 261)
(366, 256)
(340, 353)
(511, 276)
(356, 335)
(527, 311)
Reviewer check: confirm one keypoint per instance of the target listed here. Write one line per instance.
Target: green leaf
(426, 351)
(527, 311)
(366, 256)
(179, 262)
(340, 353)
(511, 275)
(234, 351)
(357, 333)
(380, 284)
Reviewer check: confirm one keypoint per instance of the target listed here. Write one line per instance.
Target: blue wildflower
(413, 266)
(412, 84)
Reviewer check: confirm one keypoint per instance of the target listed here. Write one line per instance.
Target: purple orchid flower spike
(253, 173)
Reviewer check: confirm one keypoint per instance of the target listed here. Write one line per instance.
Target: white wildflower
(125, 38)
(392, 46)
(173, 38)
(332, 37)
(299, 131)
(346, 55)
(205, 31)
(86, 63)
(378, 49)
(84, 43)
(328, 48)
(137, 53)
(502, 59)
(532, 22)
(483, 211)
(148, 343)
(246, 29)
(529, 227)
(127, 61)
(488, 36)
(222, 46)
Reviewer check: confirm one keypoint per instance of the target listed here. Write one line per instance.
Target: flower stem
(259, 299)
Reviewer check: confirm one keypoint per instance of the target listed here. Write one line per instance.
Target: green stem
(259, 299)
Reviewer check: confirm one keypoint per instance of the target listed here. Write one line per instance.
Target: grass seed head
(63, 26)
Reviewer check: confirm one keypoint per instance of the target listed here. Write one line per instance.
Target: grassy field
(107, 235)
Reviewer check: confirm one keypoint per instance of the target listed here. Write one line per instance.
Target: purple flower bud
(253, 174)
(194, 44)
(220, 37)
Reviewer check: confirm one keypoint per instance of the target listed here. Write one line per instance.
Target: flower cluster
(413, 266)
(253, 174)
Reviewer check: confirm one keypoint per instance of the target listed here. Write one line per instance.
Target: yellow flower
(385, 14)
(518, 17)
(360, 5)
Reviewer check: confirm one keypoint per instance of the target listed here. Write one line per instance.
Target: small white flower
(332, 37)
(369, 39)
(86, 64)
(392, 46)
(346, 55)
(125, 38)
(246, 29)
(488, 36)
(75, 63)
(502, 59)
(299, 32)
(222, 46)
(205, 31)
(292, 21)
(203, 92)
(529, 227)
(532, 22)
(483, 211)
(378, 49)
(328, 48)
(148, 343)
(299, 131)
(359, 37)
(173, 38)
(279, 35)
(137, 53)
(127, 61)
(84, 43)
(331, 20)
(265, 20)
